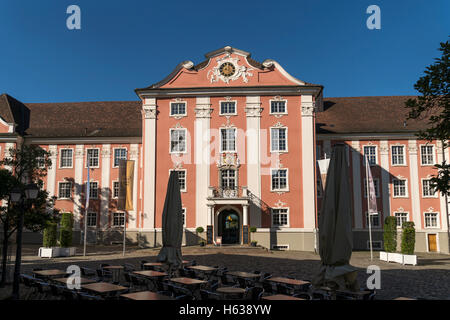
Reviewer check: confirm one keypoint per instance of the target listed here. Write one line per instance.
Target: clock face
(227, 69)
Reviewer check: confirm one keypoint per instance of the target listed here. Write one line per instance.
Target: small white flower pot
(410, 259)
(383, 256)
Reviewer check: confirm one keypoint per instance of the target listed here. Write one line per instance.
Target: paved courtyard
(430, 279)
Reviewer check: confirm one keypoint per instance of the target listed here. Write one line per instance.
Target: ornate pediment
(228, 69)
(228, 160)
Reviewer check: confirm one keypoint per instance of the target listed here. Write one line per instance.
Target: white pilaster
(414, 182)
(105, 187)
(202, 158)
(384, 162)
(134, 155)
(308, 165)
(78, 179)
(443, 210)
(253, 111)
(245, 215)
(357, 204)
(149, 115)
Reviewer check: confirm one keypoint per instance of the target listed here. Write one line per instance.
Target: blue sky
(123, 45)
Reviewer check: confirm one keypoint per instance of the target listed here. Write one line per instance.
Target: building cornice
(83, 140)
(367, 136)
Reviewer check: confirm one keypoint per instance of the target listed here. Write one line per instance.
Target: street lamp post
(18, 197)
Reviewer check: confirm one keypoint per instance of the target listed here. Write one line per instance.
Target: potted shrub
(389, 239)
(254, 243)
(252, 230)
(49, 248)
(65, 236)
(408, 243)
(200, 230)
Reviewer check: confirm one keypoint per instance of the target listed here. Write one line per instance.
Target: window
(277, 106)
(228, 137)
(183, 216)
(374, 220)
(376, 184)
(427, 189)
(118, 219)
(398, 155)
(228, 179)
(227, 107)
(64, 190)
(178, 108)
(427, 155)
(40, 161)
(278, 139)
(65, 160)
(431, 220)
(178, 140)
(93, 190)
(92, 219)
(371, 153)
(319, 188)
(280, 217)
(400, 188)
(181, 179)
(119, 154)
(401, 217)
(116, 189)
(279, 179)
(92, 155)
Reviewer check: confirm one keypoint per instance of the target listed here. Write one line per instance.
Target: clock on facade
(227, 69)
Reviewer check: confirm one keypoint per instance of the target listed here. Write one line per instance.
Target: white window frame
(287, 180)
(98, 165)
(59, 189)
(228, 114)
(235, 178)
(96, 219)
(185, 141)
(377, 195)
(221, 140)
(436, 193)
(112, 193)
(183, 213)
(37, 161)
(60, 158)
(279, 100)
(287, 140)
(85, 195)
(407, 217)
(406, 188)
(124, 219)
(114, 155)
(185, 178)
(434, 154)
(372, 226)
(287, 218)
(392, 155)
(376, 154)
(178, 114)
(425, 220)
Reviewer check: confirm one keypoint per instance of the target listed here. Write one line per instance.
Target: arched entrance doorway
(229, 226)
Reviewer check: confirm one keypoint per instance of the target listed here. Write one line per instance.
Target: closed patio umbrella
(335, 227)
(172, 225)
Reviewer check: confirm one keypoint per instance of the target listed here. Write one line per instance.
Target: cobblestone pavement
(430, 279)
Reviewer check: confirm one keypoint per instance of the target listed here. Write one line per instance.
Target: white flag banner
(371, 192)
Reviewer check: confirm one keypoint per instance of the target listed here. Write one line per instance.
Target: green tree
(433, 104)
(28, 164)
(390, 234)
(408, 237)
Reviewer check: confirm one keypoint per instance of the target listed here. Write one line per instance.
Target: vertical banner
(126, 177)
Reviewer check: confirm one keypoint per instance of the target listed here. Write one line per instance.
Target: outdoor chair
(85, 296)
(142, 264)
(302, 295)
(57, 291)
(283, 289)
(69, 294)
(43, 290)
(137, 282)
(268, 287)
(165, 289)
(128, 267)
(88, 272)
(253, 293)
(182, 293)
(212, 285)
(28, 282)
(209, 295)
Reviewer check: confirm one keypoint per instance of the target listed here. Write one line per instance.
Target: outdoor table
(241, 274)
(103, 287)
(231, 291)
(280, 297)
(150, 273)
(404, 298)
(50, 273)
(115, 272)
(153, 264)
(202, 268)
(288, 281)
(146, 295)
(188, 281)
(82, 280)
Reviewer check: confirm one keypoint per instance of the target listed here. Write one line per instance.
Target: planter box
(410, 259)
(383, 256)
(56, 252)
(395, 257)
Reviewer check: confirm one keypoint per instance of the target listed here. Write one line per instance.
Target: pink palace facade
(245, 137)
